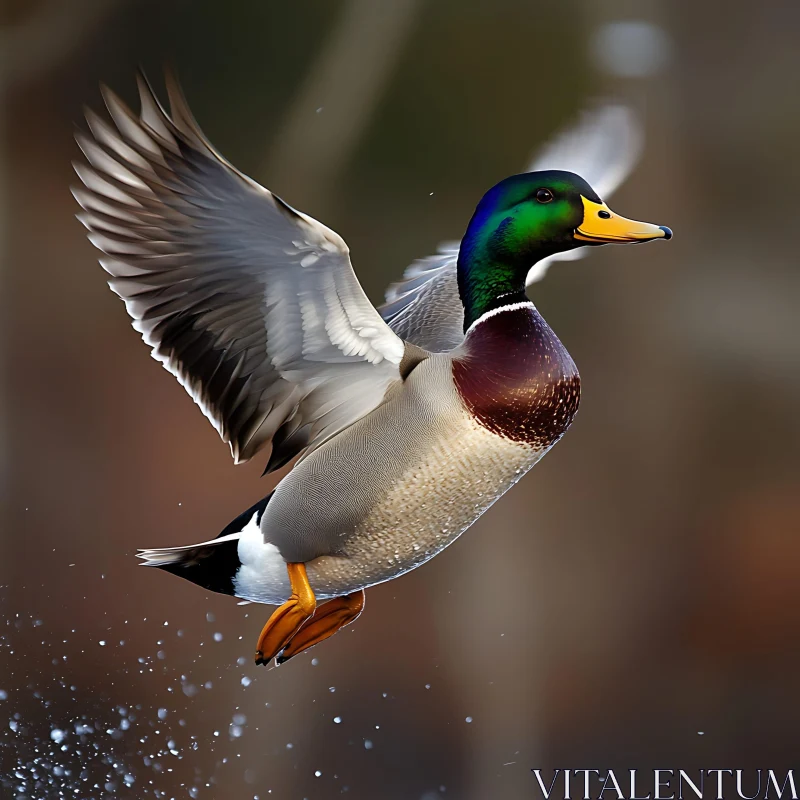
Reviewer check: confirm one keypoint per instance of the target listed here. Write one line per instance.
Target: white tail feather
(162, 556)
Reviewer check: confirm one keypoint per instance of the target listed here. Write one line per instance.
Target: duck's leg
(329, 618)
(287, 619)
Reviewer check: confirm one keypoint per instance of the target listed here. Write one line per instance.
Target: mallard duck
(406, 427)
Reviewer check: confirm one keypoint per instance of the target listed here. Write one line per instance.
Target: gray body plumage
(394, 489)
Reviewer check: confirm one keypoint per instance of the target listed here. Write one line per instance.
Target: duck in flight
(406, 423)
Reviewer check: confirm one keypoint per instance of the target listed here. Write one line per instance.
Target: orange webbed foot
(329, 618)
(287, 619)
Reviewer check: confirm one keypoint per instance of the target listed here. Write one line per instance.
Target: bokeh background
(633, 603)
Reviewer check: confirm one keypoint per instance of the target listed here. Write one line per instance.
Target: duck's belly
(390, 492)
(398, 486)
(428, 507)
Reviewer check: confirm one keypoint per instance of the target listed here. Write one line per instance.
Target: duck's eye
(544, 195)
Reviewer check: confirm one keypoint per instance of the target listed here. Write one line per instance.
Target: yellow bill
(601, 226)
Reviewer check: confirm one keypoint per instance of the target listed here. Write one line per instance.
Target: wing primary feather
(252, 305)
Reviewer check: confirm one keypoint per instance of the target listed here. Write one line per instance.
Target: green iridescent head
(526, 218)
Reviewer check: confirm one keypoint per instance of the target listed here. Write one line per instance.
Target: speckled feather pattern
(400, 485)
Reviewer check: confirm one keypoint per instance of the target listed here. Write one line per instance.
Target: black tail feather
(212, 565)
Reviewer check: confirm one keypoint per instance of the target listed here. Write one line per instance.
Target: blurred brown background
(632, 603)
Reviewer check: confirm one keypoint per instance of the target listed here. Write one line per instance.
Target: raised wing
(425, 308)
(253, 306)
(603, 147)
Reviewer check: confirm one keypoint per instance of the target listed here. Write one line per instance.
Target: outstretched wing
(424, 308)
(603, 147)
(253, 306)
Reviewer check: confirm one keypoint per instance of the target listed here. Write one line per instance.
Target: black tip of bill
(667, 231)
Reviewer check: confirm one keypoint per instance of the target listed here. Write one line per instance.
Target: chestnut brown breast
(517, 379)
